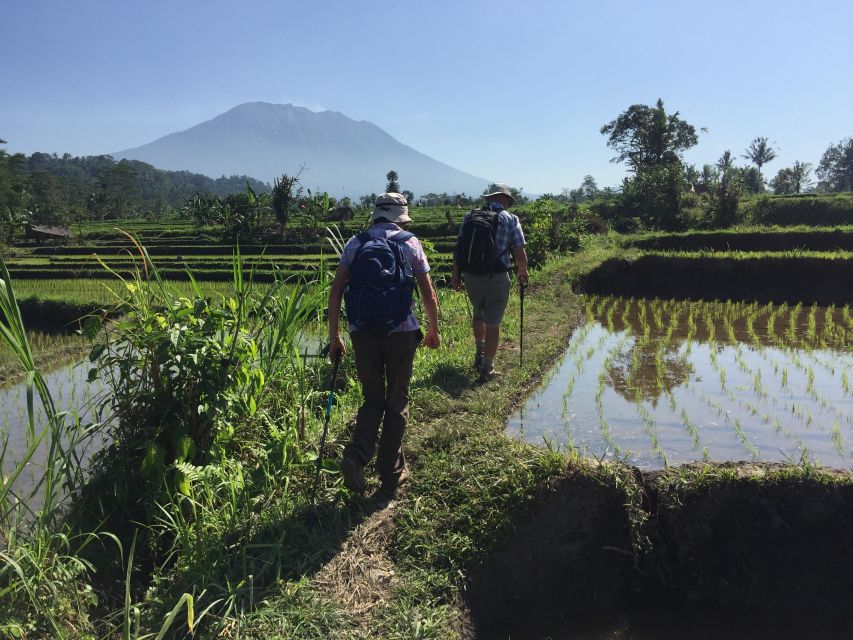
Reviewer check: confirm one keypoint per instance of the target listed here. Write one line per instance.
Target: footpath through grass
(468, 482)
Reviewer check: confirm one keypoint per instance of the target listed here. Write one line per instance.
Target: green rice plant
(610, 313)
(604, 427)
(744, 439)
(811, 332)
(43, 574)
(845, 382)
(837, 438)
(756, 382)
(793, 321)
(651, 430)
(711, 327)
(657, 313)
(691, 428)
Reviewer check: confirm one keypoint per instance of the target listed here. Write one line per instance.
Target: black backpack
(379, 294)
(476, 251)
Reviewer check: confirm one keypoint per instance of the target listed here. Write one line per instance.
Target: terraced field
(695, 350)
(76, 276)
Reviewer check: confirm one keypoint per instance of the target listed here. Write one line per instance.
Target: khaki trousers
(384, 365)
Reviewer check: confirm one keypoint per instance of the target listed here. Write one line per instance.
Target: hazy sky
(510, 91)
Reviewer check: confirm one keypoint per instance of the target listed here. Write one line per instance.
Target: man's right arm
(336, 344)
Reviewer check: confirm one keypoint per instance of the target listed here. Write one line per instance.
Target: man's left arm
(517, 243)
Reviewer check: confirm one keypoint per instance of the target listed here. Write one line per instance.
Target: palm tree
(760, 153)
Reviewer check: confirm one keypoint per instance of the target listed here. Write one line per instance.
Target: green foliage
(760, 152)
(654, 195)
(648, 136)
(725, 194)
(182, 369)
(538, 234)
(97, 187)
(14, 200)
(393, 185)
(791, 179)
(285, 194)
(44, 577)
(803, 209)
(750, 178)
(315, 207)
(835, 170)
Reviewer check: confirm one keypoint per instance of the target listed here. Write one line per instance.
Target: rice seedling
(691, 428)
(837, 438)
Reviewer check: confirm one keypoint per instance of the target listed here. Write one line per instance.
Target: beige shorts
(489, 295)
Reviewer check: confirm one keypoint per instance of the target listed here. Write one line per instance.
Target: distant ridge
(340, 155)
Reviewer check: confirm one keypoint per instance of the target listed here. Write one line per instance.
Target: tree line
(662, 191)
(50, 189)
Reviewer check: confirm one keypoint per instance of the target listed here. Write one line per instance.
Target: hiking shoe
(388, 489)
(353, 475)
(491, 374)
(478, 361)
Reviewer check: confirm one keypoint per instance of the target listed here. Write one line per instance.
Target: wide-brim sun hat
(391, 206)
(501, 189)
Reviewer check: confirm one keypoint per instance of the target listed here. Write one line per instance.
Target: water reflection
(660, 382)
(72, 393)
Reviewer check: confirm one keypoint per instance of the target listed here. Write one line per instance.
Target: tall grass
(210, 399)
(43, 575)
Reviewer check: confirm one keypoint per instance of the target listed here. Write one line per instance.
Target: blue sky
(508, 91)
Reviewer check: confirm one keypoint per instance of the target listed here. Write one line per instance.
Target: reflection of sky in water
(71, 392)
(732, 401)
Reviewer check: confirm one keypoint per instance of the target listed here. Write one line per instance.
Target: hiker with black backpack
(376, 277)
(481, 260)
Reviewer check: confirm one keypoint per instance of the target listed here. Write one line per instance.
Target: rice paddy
(660, 382)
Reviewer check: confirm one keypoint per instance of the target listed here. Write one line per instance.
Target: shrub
(805, 209)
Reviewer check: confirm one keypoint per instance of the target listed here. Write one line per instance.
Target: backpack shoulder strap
(402, 236)
(363, 237)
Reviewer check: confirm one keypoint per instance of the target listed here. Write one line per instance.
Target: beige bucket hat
(501, 189)
(392, 206)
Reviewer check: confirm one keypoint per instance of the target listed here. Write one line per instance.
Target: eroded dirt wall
(760, 536)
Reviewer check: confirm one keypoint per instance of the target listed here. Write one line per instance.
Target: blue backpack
(379, 295)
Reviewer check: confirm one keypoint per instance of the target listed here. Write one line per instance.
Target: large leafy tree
(835, 170)
(760, 152)
(645, 136)
(792, 179)
(393, 184)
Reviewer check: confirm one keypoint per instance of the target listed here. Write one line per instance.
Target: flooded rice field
(658, 382)
(71, 392)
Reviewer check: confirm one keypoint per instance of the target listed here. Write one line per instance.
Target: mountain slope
(339, 154)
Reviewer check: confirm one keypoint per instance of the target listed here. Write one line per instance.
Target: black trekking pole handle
(326, 426)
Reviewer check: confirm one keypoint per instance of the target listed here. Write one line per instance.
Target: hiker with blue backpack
(481, 261)
(378, 271)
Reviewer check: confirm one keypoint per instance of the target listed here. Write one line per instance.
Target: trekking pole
(326, 426)
(521, 288)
